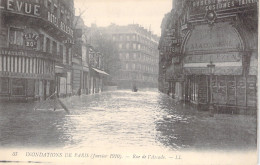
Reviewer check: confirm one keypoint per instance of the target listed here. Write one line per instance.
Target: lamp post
(211, 68)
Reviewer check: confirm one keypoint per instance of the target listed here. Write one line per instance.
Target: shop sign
(20, 6)
(168, 49)
(58, 23)
(26, 53)
(221, 57)
(233, 70)
(221, 36)
(26, 75)
(201, 6)
(31, 40)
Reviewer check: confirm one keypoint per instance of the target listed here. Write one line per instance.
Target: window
(127, 46)
(134, 55)
(4, 85)
(127, 56)
(48, 45)
(16, 37)
(133, 66)
(134, 46)
(54, 48)
(120, 46)
(55, 10)
(49, 4)
(18, 87)
(61, 50)
(133, 37)
(62, 13)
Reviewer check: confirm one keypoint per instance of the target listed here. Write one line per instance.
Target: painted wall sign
(218, 71)
(221, 36)
(26, 75)
(34, 9)
(58, 23)
(201, 6)
(31, 40)
(221, 57)
(20, 7)
(26, 53)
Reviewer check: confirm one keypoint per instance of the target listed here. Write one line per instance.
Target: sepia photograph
(163, 82)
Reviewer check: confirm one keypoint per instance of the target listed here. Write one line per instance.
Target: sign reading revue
(20, 7)
(200, 6)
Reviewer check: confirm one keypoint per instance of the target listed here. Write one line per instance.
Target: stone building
(35, 48)
(138, 53)
(88, 63)
(208, 54)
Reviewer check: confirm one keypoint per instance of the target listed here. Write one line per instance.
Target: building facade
(208, 54)
(138, 53)
(35, 48)
(88, 65)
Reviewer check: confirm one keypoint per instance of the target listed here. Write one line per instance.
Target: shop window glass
(251, 91)
(4, 85)
(30, 87)
(61, 50)
(54, 48)
(241, 91)
(18, 87)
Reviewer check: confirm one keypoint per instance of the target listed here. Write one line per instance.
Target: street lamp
(211, 68)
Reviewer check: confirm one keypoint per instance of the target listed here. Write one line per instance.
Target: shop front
(175, 80)
(25, 74)
(25, 88)
(228, 86)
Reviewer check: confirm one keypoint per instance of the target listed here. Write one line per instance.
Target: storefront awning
(100, 71)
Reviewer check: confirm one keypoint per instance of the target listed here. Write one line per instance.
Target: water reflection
(123, 119)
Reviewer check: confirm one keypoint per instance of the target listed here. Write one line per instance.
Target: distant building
(35, 48)
(88, 65)
(138, 52)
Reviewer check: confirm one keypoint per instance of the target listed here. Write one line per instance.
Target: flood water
(124, 120)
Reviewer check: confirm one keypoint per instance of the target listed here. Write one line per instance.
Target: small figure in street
(134, 88)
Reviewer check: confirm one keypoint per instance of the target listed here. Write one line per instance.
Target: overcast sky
(148, 13)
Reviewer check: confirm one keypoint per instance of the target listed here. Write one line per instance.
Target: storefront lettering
(204, 5)
(224, 44)
(27, 75)
(31, 40)
(29, 54)
(20, 6)
(33, 9)
(53, 19)
(213, 57)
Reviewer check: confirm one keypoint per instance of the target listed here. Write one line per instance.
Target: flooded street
(124, 120)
